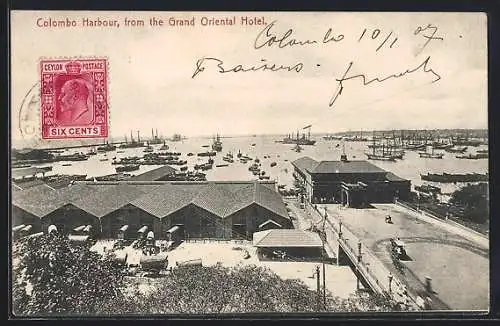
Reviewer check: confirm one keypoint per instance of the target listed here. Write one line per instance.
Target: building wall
(254, 215)
(129, 215)
(20, 216)
(328, 187)
(68, 217)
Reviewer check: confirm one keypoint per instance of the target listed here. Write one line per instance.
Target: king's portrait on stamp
(230, 163)
(74, 98)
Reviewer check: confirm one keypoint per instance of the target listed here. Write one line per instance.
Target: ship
(133, 143)
(72, 157)
(431, 154)
(428, 189)
(332, 137)
(176, 137)
(456, 149)
(299, 140)
(154, 138)
(127, 168)
(476, 156)
(204, 154)
(92, 151)
(384, 155)
(106, 148)
(355, 138)
(164, 147)
(453, 178)
(217, 144)
(466, 141)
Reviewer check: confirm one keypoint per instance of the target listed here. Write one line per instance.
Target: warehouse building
(222, 210)
(351, 183)
(293, 243)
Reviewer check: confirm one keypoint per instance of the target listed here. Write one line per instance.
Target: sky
(151, 85)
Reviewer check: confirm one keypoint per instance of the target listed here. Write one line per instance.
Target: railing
(373, 271)
(216, 240)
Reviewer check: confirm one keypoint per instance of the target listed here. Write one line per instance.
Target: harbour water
(410, 167)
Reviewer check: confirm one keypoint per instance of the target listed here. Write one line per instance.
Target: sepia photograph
(248, 162)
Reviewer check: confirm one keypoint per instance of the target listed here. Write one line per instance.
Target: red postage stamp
(74, 98)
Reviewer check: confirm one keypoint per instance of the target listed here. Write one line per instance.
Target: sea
(411, 167)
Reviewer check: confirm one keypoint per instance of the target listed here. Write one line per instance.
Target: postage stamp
(73, 98)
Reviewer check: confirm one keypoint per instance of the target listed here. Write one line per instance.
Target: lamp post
(323, 240)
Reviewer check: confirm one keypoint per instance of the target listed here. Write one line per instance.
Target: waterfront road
(458, 267)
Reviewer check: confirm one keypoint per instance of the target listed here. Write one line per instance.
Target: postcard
(248, 162)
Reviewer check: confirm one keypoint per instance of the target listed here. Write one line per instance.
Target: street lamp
(323, 239)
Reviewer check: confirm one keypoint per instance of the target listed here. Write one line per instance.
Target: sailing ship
(217, 144)
(387, 153)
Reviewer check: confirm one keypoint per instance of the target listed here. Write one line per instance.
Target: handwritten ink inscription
(268, 37)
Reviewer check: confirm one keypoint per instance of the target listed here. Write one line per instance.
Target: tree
(242, 289)
(474, 200)
(54, 276)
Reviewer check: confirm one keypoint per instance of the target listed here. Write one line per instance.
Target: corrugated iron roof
(39, 201)
(100, 203)
(305, 164)
(392, 177)
(286, 238)
(154, 175)
(346, 167)
(164, 200)
(158, 199)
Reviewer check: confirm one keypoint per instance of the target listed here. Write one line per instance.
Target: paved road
(459, 268)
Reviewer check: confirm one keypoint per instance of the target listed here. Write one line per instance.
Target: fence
(216, 240)
(374, 272)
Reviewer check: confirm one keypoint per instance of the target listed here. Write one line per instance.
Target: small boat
(67, 164)
(126, 168)
(253, 144)
(164, 147)
(120, 152)
(104, 159)
(149, 149)
(205, 146)
(190, 154)
(184, 168)
(264, 177)
(221, 165)
(273, 164)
